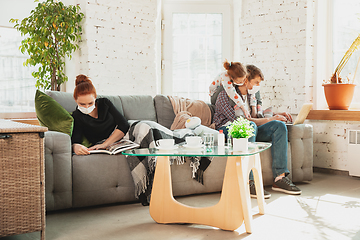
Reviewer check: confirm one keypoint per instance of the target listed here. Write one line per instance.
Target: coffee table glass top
(183, 150)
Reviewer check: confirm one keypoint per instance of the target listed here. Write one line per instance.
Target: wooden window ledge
(32, 121)
(343, 115)
(23, 117)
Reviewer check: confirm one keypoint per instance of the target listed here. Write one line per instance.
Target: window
(337, 25)
(17, 84)
(346, 27)
(196, 41)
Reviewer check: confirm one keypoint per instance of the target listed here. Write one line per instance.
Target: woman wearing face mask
(234, 75)
(96, 119)
(272, 129)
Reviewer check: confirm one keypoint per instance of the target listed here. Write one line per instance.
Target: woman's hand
(253, 112)
(98, 146)
(246, 112)
(80, 149)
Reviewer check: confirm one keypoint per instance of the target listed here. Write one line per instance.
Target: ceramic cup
(165, 143)
(193, 141)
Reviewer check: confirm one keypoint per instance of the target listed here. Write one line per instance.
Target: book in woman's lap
(117, 147)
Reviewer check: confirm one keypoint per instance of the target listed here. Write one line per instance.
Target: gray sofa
(73, 181)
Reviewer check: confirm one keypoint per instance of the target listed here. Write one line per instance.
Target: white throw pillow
(192, 122)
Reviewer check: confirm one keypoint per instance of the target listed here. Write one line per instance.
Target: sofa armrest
(301, 144)
(58, 175)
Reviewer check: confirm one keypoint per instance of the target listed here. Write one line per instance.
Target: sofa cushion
(52, 115)
(164, 110)
(138, 107)
(115, 100)
(65, 99)
(101, 179)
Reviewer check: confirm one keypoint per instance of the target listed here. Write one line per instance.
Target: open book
(117, 147)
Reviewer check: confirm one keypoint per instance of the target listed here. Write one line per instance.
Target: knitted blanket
(142, 169)
(185, 108)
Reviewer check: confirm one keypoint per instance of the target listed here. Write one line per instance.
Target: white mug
(165, 143)
(193, 140)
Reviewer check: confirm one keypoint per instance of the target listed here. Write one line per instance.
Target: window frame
(8, 11)
(323, 59)
(170, 7)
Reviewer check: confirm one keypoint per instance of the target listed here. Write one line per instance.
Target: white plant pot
(240, 144)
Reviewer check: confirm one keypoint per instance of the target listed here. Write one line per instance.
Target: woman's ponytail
(83, 86)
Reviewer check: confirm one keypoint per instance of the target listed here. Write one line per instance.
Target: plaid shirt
(223, 111)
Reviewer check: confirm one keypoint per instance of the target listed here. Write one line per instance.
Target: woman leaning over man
(266, 129)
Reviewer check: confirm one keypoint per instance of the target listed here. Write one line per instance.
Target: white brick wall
(118, 48)
(278, 37)
(331, 143)
(275, 36)
(118, 53)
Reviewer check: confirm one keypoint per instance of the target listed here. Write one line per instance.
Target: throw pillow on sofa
(52, 115)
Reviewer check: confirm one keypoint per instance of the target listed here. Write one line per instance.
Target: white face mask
(254, 90)
(85, 110)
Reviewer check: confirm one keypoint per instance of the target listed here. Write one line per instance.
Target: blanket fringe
(195, 166)
(141, 186)
(199, 176)
(152, 163)
(180, 160)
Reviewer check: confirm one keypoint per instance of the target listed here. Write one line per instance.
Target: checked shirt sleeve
(223, 111)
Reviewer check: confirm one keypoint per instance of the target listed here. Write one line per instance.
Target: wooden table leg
(259, 186)
(227, 214)
(243, 167)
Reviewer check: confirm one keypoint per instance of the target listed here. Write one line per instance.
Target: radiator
(354, 153)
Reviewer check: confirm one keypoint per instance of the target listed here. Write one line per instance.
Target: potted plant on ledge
(338, 91)
(240, 130)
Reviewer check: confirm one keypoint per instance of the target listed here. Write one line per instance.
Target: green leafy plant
(52, 32)
(241, 128)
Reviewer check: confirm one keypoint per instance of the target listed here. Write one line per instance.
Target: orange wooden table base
(234, 205)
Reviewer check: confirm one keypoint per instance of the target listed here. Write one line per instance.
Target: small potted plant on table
(240, 130)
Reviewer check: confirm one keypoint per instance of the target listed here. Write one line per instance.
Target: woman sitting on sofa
(96, 119)
(266, 129)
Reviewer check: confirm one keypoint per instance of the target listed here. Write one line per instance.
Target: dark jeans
(276, 133)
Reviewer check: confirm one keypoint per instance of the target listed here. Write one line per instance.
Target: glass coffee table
(234, 206)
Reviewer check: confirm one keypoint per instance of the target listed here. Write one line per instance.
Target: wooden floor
(328, 208)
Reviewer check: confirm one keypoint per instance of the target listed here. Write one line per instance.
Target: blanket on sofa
(142, 169)
(185, 108)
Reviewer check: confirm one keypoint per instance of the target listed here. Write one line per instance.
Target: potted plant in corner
(338, 91)
(52, 32)
(240, 130)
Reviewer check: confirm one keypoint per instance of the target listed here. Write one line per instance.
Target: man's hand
(80, 149)
(286, 115)
(279, 118)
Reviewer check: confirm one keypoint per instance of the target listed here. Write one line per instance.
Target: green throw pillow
(85, 142)
(52, 115)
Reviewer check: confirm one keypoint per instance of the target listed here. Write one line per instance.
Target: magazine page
(117, 147)
(121, 145)
(100, 151)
